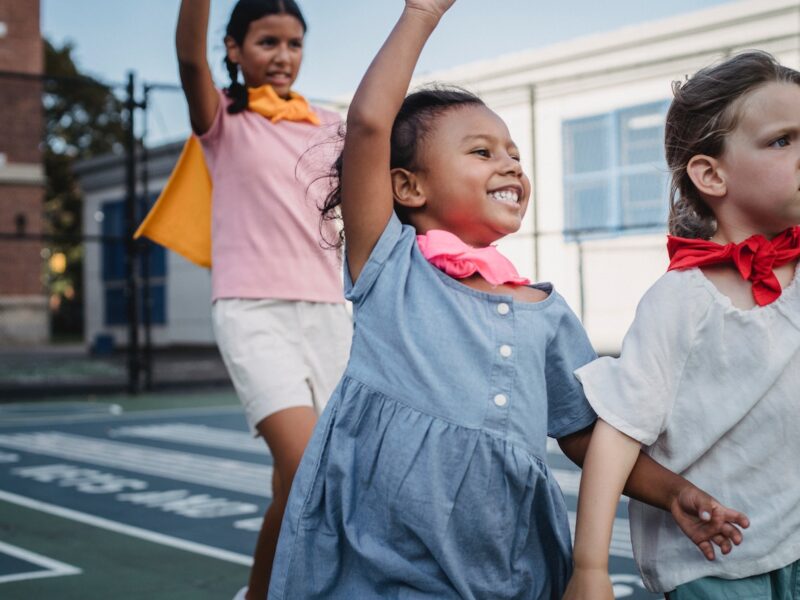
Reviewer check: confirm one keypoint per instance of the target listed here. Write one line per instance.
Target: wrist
(590, 561)
(427, 17)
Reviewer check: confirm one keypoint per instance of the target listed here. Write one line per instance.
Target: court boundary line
(152, 412)
(129, 530)
(55, 568)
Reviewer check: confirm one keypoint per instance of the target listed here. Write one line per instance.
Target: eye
(482, 152)
(781, 142)
(296, 43)
(515, 157)
(268, 41)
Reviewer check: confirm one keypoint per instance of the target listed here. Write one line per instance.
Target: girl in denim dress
(426, 475)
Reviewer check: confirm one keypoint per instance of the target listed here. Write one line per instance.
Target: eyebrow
(484, 136)
(771, 131)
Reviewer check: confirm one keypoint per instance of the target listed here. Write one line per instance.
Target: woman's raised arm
(190, 43)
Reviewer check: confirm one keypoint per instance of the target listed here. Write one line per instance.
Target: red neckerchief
(448, 253)
(755, 258)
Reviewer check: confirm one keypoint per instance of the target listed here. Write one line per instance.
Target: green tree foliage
(83, 118)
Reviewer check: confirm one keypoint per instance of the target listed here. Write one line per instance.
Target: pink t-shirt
(265, 224)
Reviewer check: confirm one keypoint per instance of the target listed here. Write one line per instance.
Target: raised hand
(707, 522)
(434, 7)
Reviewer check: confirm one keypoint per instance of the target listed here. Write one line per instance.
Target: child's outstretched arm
(700, 516)
(190, 43)
(366, 181)
(609, 460)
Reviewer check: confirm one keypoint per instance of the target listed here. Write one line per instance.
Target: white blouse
(713, 391)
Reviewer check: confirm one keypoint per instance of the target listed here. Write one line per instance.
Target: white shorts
(282, 353)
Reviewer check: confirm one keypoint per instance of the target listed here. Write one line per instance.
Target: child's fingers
(734, 516)
(724, 543)
(707, 549)
(732, 533)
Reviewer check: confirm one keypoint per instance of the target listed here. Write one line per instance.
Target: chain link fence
(83, 307)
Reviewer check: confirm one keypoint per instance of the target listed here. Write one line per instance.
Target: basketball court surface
(155, 497)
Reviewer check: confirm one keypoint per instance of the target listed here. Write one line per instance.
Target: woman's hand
(707, 522)
(589, 584)
(435, 8)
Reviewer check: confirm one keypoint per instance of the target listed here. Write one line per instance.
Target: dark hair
(706, 108)
(244, 13)
(414, 121)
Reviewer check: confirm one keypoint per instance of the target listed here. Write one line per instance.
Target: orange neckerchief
(181, 217)
(754, 258)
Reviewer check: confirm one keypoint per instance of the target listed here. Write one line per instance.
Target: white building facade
(588, 116)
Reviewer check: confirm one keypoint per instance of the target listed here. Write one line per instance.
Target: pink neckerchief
(447, 252)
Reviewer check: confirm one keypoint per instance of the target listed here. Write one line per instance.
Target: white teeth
(508, 196)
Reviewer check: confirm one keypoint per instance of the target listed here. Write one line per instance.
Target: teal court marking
(18, 564)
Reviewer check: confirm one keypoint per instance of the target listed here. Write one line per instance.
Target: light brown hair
(704, 111)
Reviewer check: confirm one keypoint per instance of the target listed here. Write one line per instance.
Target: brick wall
(20, 261)
(21, 131)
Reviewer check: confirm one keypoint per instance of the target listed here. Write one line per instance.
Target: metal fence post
(131, 247)
(147, 296)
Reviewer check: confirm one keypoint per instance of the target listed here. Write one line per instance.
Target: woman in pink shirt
(278, 308)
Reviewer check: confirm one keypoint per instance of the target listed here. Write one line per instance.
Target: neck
(422, 226)
(728, 233)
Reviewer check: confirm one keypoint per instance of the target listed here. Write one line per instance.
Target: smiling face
(470, 177)
(270, 53)
(760, 164)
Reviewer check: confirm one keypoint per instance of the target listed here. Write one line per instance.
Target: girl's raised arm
(198, 85)
(366, 181)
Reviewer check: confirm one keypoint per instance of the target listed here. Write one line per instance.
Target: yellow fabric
(181, 217)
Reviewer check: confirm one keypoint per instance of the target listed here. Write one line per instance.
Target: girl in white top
(709, 375)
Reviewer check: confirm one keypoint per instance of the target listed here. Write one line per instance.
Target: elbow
(188, 65)
(367, 123)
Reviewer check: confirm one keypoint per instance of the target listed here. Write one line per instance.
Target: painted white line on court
(137, 532)
(141, 414)
(195, 435)
(53, 567)
(233, 475)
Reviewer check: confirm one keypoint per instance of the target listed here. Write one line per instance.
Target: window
(113, 270)
(615, 175)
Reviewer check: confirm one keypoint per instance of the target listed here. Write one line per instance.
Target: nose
(281, 54)
(512, 166)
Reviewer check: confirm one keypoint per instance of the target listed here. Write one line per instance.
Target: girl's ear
(707, 176)
(232, 50)
(406, 189)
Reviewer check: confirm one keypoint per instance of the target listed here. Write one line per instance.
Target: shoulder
(676, 293)
(327, 116)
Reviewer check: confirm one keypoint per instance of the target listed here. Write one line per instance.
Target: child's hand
(704, 520)
(434, 7)
(589, 584)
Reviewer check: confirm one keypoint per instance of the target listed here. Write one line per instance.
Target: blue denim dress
(426, 476)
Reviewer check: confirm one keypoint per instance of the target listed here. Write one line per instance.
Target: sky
(112, 37)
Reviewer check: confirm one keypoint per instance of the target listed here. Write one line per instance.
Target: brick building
(23, 307)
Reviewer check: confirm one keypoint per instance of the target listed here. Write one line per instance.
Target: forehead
(773, 104)
(277, 24)
(462, 123)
